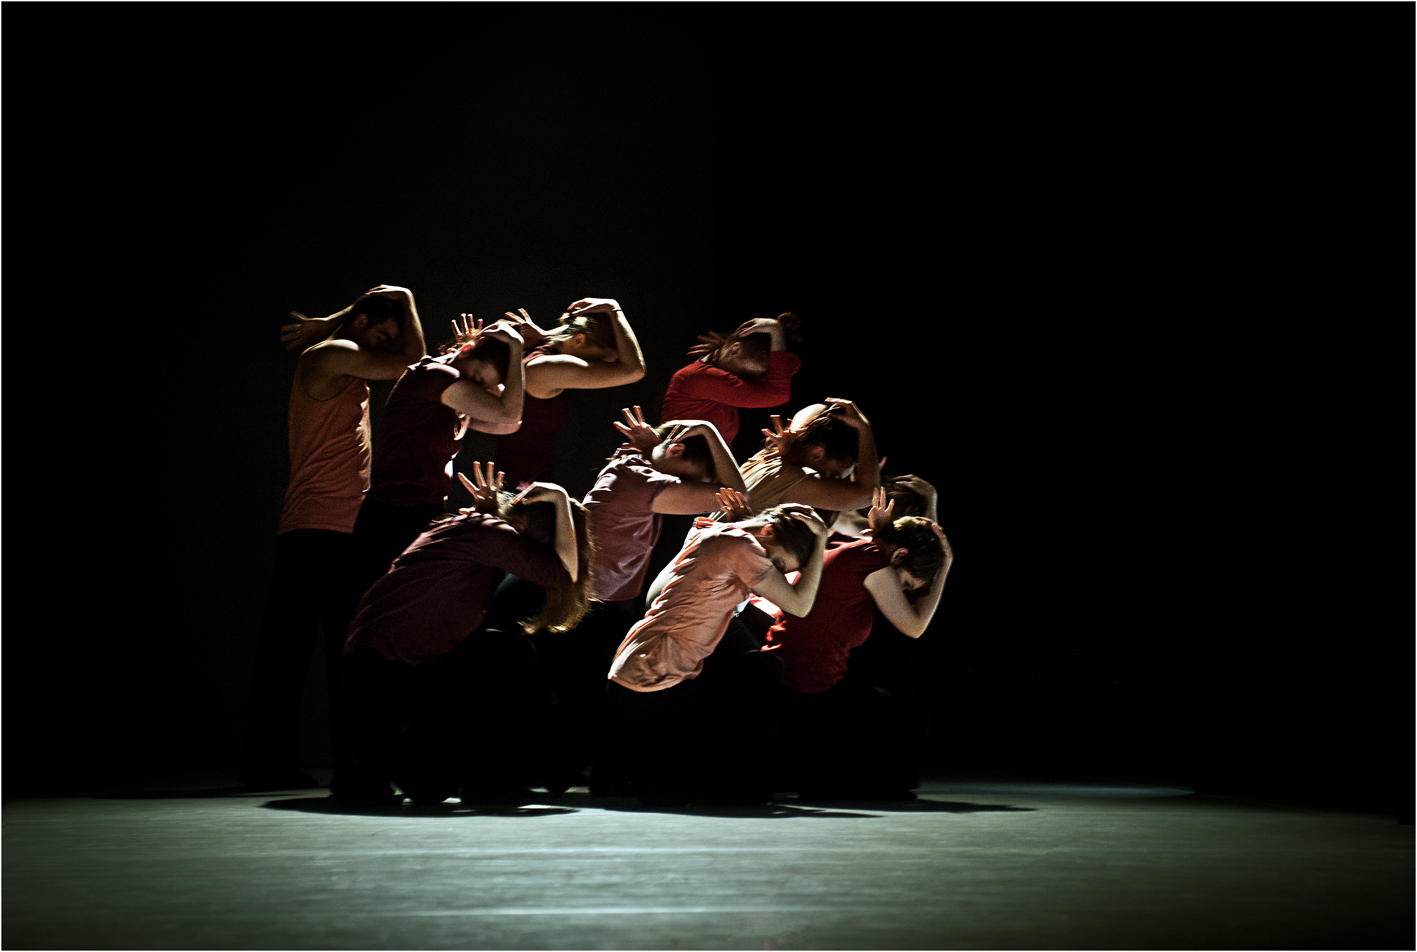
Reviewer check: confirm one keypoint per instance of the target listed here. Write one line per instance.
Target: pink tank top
(329, 458)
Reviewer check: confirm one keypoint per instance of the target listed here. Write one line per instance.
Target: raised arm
(797, 598)
(826, 492)
(479, 404)
(549, 374)
(565, 525)
(341, 357)
(884, 586)
(690, 498)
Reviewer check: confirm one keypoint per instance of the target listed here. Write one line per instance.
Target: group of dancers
(521, 642)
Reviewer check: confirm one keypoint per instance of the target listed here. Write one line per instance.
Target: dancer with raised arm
(845, 736)
(593, 348)
(441, 702)
(749, 368)
(372, 339)
(674, 469)
(690, 702)
(826, 459)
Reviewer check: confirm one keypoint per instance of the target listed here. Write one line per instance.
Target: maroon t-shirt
(703, 392)
(623, 523)
(815, 648)
(529, 454)
(436, 593)
(420, 436)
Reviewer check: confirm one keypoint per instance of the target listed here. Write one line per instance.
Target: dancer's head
(744, 353)
(788, 540)
(917, 552)
(565, 604)
(689, 459)
(589, 336)
(828, 445)
(484, 361)
(374, 322)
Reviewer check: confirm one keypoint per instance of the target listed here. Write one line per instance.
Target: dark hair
(789, 532)
(696, 448)
(925, 555)
(565, 605)
(755, 347)
(497, 354)
(378, 309)
(827, 430)
(907, 501)
(597, 326)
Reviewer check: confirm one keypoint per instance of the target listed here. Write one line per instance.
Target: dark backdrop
(1057, 253)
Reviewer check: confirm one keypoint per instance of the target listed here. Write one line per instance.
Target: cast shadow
(209, 792)
(448, 808)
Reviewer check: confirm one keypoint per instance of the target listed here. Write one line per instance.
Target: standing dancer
(438, 706)
(847, 736)
(593, 349)
(749, 368)
(690, 701)
(372, 339)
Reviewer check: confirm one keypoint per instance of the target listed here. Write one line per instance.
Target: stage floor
(187, 862)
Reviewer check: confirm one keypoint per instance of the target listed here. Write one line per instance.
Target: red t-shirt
(815, 648)
(623, 523)
(529, 454)
(420, 436)
(436, 593)
(703, 392)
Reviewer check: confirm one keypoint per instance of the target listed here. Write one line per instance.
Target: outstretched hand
(484, 490)
(306, 330)
(465, 329)
(708, 343)
(521, 322)
(733, 503)
(780, 437)
(882, 509)
(638, 434)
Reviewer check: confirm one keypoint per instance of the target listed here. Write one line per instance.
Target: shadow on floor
(232, 791)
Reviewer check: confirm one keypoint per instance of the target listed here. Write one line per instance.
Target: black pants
(856, 739)
(458, 722)
(304, 607)
(711, 739)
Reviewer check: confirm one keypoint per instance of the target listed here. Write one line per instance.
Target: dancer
(749, 368)
(594, 348)
(478, 380)
(676, 468)
(439, 706)
(690, 697)
(372, 339)
(826, 459)
(847, 736)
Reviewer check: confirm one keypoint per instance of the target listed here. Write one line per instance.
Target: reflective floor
(187, 861)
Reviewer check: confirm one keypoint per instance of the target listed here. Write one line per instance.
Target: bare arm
(548, 375)
(797, 598)
(565, 525)
(691, 498)
(886, 591)
(340, 357)
(825, 492)
(482, 406)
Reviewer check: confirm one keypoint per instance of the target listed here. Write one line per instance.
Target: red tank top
(329, 458)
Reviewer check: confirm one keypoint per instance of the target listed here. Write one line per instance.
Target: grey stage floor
(970, 865)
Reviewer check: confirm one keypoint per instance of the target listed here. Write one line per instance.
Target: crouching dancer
(438, 705)
(690, 701)
(847, 736)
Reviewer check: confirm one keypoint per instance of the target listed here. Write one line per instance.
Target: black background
(1115, 278)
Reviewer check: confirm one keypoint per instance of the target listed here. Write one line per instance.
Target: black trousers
(303, 609)
(456, 723)
(711, 739)
(857, 739)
